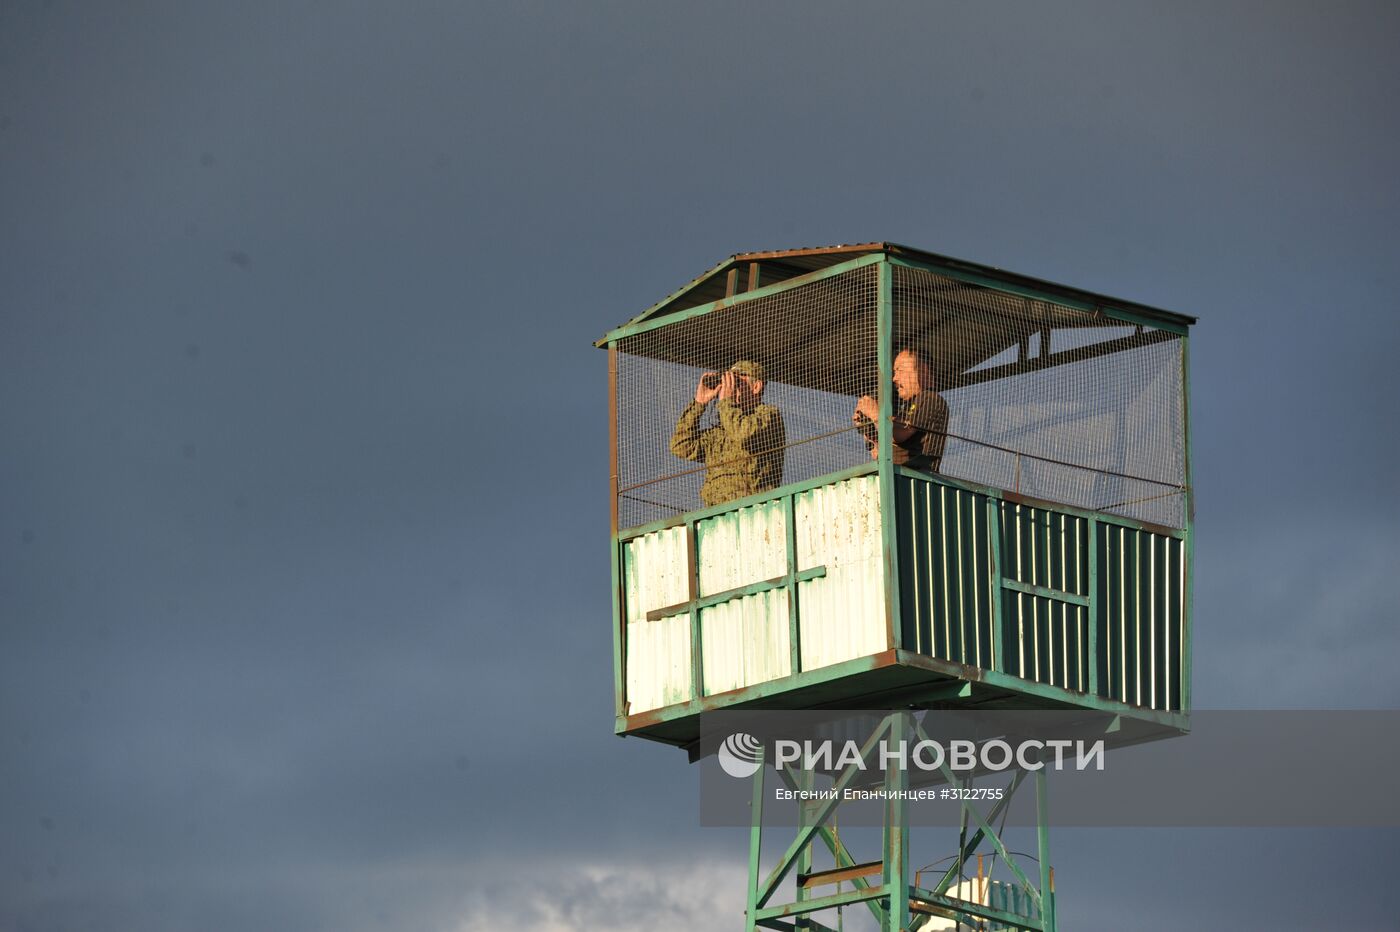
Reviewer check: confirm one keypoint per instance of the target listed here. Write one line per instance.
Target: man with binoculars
(743, 454)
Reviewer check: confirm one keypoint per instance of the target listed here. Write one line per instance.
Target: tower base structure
(898, 897)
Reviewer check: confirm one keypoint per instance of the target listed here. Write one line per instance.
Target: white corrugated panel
(842, 615)
(745, 641)
(658, 652)
(742, 547)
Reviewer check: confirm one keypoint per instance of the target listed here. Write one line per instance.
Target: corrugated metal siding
(945, 572)
(745, 641)
(742, 547)
(1045, 548)
(841, 615)
(945, 594)
(1141, 590)
(1047, 639)
(656, 575)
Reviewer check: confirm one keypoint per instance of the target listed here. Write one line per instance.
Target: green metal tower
(1009, 529)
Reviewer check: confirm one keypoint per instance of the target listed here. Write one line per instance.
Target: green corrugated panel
(1048, 636)
(1045, 548)
(945, 572)
(1054, 637)
(1140, 599)
(945, 594)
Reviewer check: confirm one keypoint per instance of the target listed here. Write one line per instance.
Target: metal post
(616, 562)
(1096, 609)
(998, 653)
(1189, 543)
(884, 431)
(1047, 873)
(896, 868)
(806, 781)
(755, 846)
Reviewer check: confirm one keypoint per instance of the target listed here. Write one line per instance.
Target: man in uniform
(920, 426)
(743, 455)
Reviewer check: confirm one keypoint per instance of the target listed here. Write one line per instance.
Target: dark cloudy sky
(303, 566)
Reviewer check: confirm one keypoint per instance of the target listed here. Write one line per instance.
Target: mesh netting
(816, 344)
(1047, 401)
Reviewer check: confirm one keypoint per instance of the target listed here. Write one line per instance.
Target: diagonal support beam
(971, 847)
(819, 817)
(839, 853)
(986, 828)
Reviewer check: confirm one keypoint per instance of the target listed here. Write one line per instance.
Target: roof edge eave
(1050, 289)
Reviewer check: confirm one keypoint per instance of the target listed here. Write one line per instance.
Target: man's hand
(728, 386)
(869, 407)
(703, 395)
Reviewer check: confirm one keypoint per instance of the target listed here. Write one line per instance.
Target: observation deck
(1010, 529)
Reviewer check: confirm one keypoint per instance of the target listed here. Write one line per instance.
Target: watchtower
(1009, 527)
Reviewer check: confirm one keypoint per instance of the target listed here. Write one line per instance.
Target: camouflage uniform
(743, 455)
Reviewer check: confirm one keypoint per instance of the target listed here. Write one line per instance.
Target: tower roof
(730, 276)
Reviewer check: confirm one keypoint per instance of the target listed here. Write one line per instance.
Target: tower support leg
(896, 905)
(1042, 837)
(755, 845)
(896, 866)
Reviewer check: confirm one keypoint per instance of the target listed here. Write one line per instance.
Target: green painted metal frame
(631, 330)
(895, 877)
(997, 677)
(793, 578)
(755, 843)
(890, 900)
(894, 900)
(985, 826)
(969, 847)
(1107, 308)
(828, 837)
(1045, 593)
(696, 604)
(1092, 635)
(973, 272)
(697, 635)
(619, 625)
(1012, 496)
(760, 893)
(762, 498)
(889, 530)
(1188, 590)
(888, 472)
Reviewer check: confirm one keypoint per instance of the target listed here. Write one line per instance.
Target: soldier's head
(749, 383)
(911, 372)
